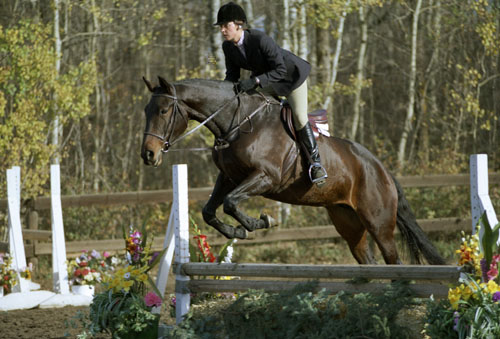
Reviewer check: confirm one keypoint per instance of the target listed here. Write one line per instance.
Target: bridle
(222, 143)
(175, 107)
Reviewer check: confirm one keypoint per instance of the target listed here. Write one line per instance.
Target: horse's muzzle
(151, 158)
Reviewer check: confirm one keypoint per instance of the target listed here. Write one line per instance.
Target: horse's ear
(163, 83)
(148, 84)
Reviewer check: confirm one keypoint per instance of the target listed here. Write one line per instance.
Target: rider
(277, 71)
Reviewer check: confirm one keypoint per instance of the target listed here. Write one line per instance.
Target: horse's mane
(221, 87)
(217, 84)
(194, 82)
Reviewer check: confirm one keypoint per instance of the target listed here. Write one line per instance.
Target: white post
(480, 199)
(59, 266)
(16, 243)
(166, 260)
(181, 222)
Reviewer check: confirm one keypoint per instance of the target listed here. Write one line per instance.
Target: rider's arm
(272, 53)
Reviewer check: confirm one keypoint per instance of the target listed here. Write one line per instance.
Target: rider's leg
(298, 102)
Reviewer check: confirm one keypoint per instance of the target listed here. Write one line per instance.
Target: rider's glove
(247, 85)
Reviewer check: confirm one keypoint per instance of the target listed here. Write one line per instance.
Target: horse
(257, 157)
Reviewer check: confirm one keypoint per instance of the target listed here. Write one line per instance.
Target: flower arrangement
(472, 309)
(8, 276)
(86, 269)
(124, 308)
(203, 251)
(26, 273)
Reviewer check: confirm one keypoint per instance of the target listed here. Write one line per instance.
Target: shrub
(301, 313)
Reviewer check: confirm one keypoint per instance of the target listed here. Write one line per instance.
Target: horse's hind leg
(222, 186)
(255, 184)
(349, 226)
(382, 231)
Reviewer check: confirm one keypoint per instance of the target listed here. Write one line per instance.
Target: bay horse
(256, 156)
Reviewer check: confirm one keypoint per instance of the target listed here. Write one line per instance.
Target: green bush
(302, 313)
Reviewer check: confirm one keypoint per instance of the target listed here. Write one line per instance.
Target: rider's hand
(247, 85)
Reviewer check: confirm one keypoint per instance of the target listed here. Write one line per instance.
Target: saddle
(317, 119)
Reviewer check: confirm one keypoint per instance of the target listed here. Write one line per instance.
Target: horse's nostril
(150, 155)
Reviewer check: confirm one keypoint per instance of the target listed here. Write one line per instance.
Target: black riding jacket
(273, 65)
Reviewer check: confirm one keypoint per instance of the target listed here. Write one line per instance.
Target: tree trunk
(286, 26)
(360, 74)
(217, 41)
(322, 55)
(56, 131)
(335, 66)
(302, 49)
(411, 87)
(429, 100)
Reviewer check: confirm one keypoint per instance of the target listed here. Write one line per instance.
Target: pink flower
(105, 254)
(152, 300)
(492, 273)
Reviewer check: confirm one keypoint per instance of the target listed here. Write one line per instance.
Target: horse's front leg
(255, 184)
(222, 187)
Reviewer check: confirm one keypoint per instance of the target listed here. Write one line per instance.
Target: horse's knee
(229, 205)
(208, 214)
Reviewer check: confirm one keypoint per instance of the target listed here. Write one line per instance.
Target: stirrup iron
(322, 178)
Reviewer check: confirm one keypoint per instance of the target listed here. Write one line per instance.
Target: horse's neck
(217, 102)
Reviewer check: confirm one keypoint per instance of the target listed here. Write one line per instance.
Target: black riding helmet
(230, 12)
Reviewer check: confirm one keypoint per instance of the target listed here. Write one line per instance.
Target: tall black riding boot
(317, 172)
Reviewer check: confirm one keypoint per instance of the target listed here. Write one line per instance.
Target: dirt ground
(39, 323)
(46, 323)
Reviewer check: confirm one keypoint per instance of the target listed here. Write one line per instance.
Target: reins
(221, 143)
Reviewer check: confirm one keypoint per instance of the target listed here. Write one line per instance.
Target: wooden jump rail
(441, 275)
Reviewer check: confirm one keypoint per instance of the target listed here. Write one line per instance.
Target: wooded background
(415, 81)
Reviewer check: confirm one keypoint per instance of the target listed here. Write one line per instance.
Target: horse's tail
(412, 234)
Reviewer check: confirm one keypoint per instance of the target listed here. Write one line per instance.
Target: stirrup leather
(317, 164)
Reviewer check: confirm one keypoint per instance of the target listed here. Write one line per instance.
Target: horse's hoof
(268, 221)
(240, 232)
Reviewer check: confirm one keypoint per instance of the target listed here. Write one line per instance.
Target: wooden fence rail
(408, 272)
(261, 237)
(440, 275)
(142, 197)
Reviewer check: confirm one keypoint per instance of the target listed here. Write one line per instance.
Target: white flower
(126, 275)
(229, 255)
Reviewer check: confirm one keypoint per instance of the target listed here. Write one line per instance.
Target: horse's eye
(163, 111)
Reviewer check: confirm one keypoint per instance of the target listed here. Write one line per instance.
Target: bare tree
(411, 86)
(336, 59)
(56, 131)
(359, 74)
